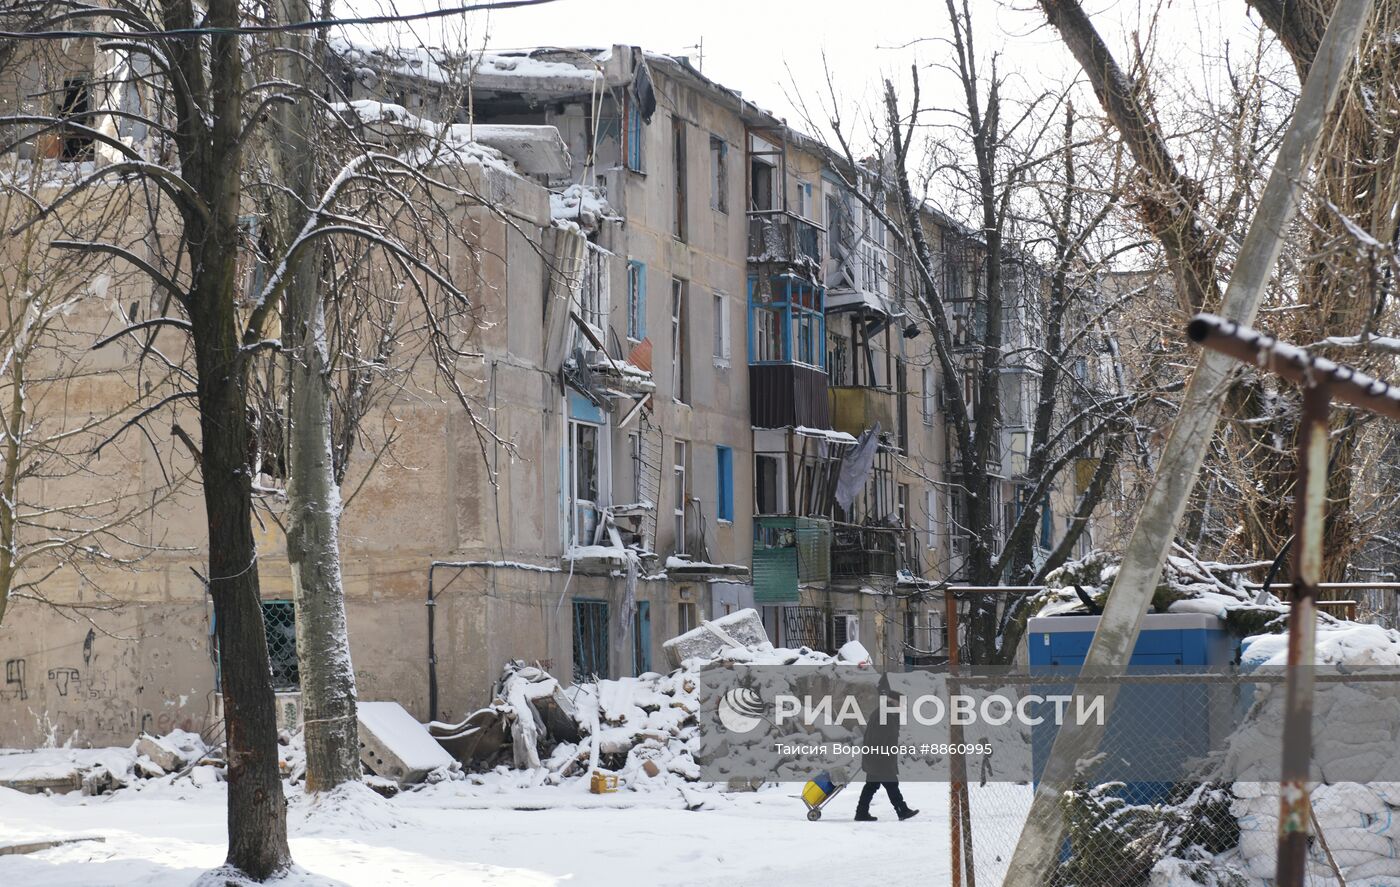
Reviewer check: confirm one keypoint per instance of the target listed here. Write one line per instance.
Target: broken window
(592, 305)
(590, 640)
(721, 320)
(641, 638)
(930, 528)
(762, 176)
(280, 626)
(719, 174)
(685, 617)
(680, 497)
(636, 300)
(926, 403)
(767, 471)
(77, 103)
(634, 137)
(678, 155)
(680, 342)
(583, 482)
(724, 470)
(634, 449)
(804, 199)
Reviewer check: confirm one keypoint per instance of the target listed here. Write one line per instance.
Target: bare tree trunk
(211, 155)
(313, 496)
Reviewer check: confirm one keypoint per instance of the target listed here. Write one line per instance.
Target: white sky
(761, 47)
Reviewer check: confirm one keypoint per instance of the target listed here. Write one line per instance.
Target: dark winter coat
(881, 766)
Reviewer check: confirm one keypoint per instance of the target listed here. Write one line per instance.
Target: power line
(268, 29)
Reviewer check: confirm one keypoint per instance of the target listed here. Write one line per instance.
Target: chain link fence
(1184, 789)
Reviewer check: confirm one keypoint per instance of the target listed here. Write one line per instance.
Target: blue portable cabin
(1169, 723)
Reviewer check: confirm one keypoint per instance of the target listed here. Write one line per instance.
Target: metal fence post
(1310, 498)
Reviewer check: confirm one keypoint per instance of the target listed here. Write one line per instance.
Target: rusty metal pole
(1310, 509)
(950, 622)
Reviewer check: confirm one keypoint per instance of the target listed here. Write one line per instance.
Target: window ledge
(723, 522)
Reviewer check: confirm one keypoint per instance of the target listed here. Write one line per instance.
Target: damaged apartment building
(701, 384)
(786, 456)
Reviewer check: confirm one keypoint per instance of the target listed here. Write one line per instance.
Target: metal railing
(777, 235)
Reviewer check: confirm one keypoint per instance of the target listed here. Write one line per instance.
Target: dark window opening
(678, 141)
(77, 103)
(766, 484)
(590, 640)
(760, 185)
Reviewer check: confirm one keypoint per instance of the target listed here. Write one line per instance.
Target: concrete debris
(166, 755)
(743, 628)
(641, 730)
(98, 771)
(395, 746)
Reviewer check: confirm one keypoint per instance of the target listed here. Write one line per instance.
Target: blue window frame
(636, 300)
(787, 322)
(724, 459)
(1047, 524)
(634, 137)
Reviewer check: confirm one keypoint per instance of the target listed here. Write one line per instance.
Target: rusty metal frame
(1321, 380)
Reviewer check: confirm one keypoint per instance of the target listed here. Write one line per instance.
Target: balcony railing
(789, 552)
(777, 235)
(854, 408)
(858, 552)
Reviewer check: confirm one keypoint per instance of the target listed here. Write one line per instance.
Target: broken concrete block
(395, 746)
(163, 754)
(147, 769)
(743, 628)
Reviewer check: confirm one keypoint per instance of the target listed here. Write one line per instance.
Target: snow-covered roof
(531, 149)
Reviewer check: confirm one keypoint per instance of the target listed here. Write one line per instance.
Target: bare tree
(1044, 274)
(62, 508)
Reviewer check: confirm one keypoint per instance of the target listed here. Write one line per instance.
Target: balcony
(861, 552)
(784, 237)
(854, 408)
(789, 552)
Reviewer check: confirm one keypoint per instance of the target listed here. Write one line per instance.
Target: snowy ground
(461, 834)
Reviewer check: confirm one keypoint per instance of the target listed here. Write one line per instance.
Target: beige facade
(645, 453)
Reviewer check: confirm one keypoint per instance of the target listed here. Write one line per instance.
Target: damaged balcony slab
(680, 567)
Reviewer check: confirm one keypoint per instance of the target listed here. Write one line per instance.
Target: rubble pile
(643, 730)
(179, 755)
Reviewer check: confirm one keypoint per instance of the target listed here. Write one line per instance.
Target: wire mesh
(280, 624)
(1127, 826)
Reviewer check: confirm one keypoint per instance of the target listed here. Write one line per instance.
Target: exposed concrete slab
(739, 629)
(539, 150)
(396, 746)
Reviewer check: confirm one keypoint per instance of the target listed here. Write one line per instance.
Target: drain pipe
(431, 604)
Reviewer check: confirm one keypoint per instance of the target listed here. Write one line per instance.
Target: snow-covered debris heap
(95, 771)
(642, 729)
(1188, 585)
(580, 205)
(1360, 822)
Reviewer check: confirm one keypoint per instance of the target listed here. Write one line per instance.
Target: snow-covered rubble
(178, 755)
(643, 730)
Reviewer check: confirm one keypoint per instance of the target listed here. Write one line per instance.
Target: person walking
(880, 761)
